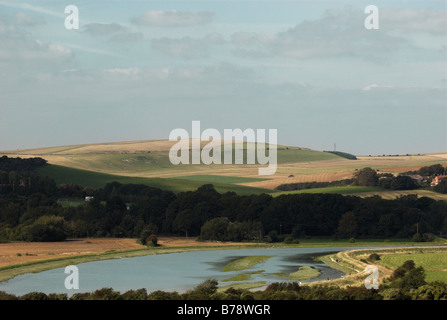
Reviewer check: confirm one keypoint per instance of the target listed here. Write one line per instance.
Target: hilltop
(147, 161)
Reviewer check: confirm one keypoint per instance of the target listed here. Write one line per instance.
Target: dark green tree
(366, 177)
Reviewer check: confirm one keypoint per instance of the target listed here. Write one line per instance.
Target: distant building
(88, 198)
(437, 180)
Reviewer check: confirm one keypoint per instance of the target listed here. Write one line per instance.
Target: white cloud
(26, 6)
(413, 20)
(187, 47)
(172, 18)
(28, 20)
(374, 85)
(20, 51)
(101, 29)
(339, 33)
(114, 31)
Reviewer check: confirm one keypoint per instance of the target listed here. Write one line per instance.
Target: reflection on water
(174, 272)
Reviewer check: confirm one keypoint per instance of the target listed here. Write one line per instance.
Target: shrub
(352, 240)
(140, 294)
(46, 228)
(34, 296)
(288, 240)
(374, 257)
(428, 237)
(106, 294)
(416, 238)
(7, 296)
(152, 241)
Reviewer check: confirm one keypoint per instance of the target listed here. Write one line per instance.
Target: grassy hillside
(65, 175)
(148, 162)
(151, 159)
(338, 190)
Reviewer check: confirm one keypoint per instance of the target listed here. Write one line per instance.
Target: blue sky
(136, 70)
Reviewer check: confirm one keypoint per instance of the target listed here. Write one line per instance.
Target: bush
(106, 294)
(34, 296)
(374, 257)
(45, 229)
(140, 294)
(352, 240)
(7, 296)
(288, 240)
(416, 238)
(152, 241)
(274, 236)
(428, 237)
(204, 290)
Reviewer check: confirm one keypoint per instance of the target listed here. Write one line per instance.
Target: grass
(354, 262)
(220, 179)
(434, 263)
(243, 285)
(338, 190)
(244, 263)
(364, 192)
(392, 194)
(243, 276)
(303, 273)
(67, 203)
(66, 175)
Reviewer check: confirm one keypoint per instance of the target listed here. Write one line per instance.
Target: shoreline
(8, 272)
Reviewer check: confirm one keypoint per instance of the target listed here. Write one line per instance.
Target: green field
(208, 178)
(338, 190)
(303, 273)
(149, 158)
(244, 263)
(434, 263)
(65, 175)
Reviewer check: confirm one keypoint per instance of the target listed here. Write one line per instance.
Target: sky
(136, 70)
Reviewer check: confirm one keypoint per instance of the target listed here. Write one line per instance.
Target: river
(174, 271)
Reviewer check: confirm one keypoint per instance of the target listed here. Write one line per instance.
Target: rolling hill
(147, 162)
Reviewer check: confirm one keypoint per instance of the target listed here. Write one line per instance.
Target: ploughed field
(22, 252)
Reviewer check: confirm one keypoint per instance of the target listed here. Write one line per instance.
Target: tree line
(139, 211)
(372, 178)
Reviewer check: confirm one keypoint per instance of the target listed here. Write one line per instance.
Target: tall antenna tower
(335, 147)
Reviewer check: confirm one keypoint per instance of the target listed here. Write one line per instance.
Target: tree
(46, 228)
(215, 229)
(347, 226)
(441, 187)
(403, 183)
(148, 231)
(366, 177)
(184, 221)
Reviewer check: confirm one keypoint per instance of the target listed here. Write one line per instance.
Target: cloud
(187, 47)
(374, 85)
(172, 18)
(103, 29)
(20, 51)
(339, 33)
(418, 20)
(114, 31)
(26, 6)
(28, 20)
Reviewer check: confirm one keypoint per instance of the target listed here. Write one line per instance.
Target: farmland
(434, 262)
(147, 162)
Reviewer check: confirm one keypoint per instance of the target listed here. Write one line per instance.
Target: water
(172, 272)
